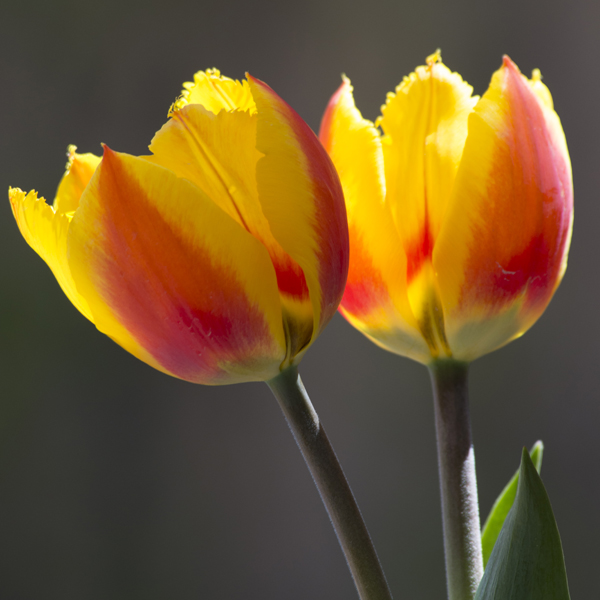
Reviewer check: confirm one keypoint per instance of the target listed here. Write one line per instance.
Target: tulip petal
(217, 152)
(45, 227)
(559, 143)
(503, 246)
(425, 126)
(310, 220)
(215, 93)
(375, 300)
(172, 278)
(80, 169)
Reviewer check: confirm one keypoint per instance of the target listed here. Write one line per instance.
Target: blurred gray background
(118, 482)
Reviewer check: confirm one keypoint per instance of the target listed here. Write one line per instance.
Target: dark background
(118, 482)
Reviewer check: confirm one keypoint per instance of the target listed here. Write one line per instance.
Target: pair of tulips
(220, 257)
(441, 231)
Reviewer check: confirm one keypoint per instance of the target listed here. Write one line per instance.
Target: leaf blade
(503, 504)
(527, 561)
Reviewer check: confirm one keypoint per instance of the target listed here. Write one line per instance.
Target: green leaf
(503, 504)
(527, 561)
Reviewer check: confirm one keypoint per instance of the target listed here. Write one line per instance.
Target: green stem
(456, 459)
(332, 485)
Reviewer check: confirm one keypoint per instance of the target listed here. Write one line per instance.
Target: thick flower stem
(456, 460)
(332, 485)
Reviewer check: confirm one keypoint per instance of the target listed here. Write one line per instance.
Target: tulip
(217, 259)
(459, 217)
(460, 213)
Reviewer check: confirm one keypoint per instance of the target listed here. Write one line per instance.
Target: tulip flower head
(460, 211)
(217, 259)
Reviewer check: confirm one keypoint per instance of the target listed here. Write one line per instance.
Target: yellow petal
(302, 199)
(215, 92)
(216, 152)
(45, 227)
(79, 171)
(425, 126)
(173, 279)
(375, 300)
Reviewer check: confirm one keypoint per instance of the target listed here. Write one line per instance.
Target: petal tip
(110, 158)
(14, 196)
(252, 79)
(434, 58)
(71, 157)
(107, 151)
(254, 83)
(509, 64)
(328, 116)
(17, 196)
(511, 71)
(71, 151)
(345, 87)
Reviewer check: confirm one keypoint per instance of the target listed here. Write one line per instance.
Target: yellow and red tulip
(217, 259)
(460, 212)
